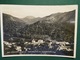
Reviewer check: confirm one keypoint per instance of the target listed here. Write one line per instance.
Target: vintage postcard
(39, 30)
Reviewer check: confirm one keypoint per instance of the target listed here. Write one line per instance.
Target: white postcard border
(75, 35)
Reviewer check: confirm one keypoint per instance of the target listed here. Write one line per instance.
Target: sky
(22, 11)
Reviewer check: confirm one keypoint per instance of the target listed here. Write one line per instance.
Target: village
(37, 46)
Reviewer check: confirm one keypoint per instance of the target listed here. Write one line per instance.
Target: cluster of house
(63, 45)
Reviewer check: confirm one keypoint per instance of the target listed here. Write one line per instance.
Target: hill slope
(11, 24)
(55, 26)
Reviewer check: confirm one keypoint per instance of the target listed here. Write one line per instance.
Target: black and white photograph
(39, 30)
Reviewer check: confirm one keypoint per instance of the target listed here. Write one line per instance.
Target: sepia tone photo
(28, 30)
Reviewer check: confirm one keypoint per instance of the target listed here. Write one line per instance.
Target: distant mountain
(59, 17)
(30, 19)
(58, 26)
(55, 26)
(12, 24)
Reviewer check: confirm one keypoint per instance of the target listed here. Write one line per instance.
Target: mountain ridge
(55, 26)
